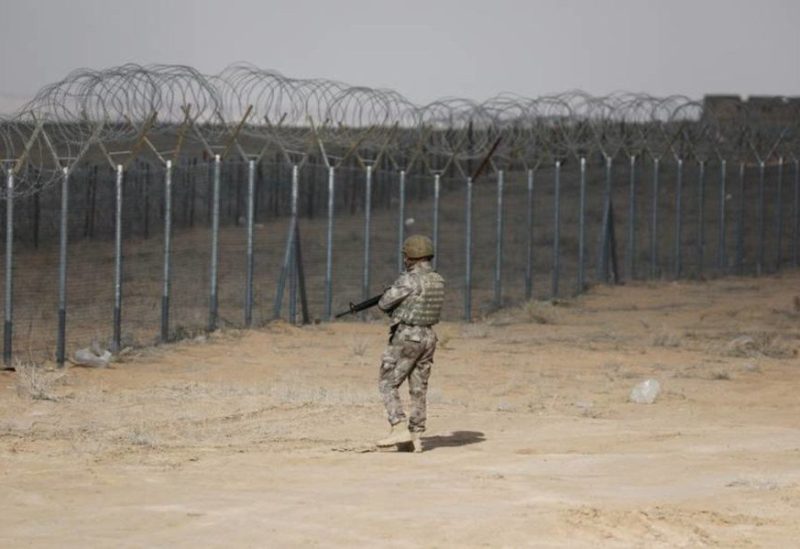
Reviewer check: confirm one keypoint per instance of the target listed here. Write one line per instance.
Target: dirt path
(259, 438)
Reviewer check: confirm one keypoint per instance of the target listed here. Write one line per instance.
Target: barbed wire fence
(145, 204)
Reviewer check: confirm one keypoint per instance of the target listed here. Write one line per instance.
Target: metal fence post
(556, 229)
(468, 254)
(293, 259)
(603, 255)
(631, 256)
(213, 308)
(401, 220)
(367, 230)
(654, 223)
(498, 266)
(740, 222)
(796, 214)
(437, 184)
(293, 275)
(761, 219)
(779, 216)
(723, 197)
(581, 285)
(250, 267)
(61, 342)
(8, 329)
(529, 235)
(116, 342)
(677, 264)
(167, 282)
(329, 245)
(288, 253)
(701, 217)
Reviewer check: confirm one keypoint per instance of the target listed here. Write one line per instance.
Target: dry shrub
(666, 339)
(140, 436)
(359, 347)
(721, 375)
(181, 332)
(475, 331)
(540, 312)
(758, 344)
(34, 382)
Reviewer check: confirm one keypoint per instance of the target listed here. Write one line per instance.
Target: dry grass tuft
(666, 339)
(181, 332)
(139, 436)
(359, 347)
(721, 375)
(758, 344)
(34, 382)
(541, 312)
(475, 331)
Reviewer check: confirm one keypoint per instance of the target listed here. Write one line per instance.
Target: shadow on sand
(456, 438)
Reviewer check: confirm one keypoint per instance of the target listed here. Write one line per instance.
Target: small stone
(645, 392)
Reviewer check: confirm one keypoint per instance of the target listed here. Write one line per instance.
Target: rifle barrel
(358, 307)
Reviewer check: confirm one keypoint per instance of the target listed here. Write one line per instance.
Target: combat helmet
(418, 247)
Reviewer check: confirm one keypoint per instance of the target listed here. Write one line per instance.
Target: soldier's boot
(416, 440)
(399, 435)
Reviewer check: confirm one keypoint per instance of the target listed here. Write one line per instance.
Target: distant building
(769, 110)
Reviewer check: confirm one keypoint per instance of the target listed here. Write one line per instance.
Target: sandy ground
(261, 439)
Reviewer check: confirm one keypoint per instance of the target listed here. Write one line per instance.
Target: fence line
(148, 204)
(230, 264)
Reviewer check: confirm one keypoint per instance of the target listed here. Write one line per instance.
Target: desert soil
(262, 438)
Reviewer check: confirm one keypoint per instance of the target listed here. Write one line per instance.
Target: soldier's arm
(403, 287)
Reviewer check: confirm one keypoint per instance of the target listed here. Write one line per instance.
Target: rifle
(363, 306)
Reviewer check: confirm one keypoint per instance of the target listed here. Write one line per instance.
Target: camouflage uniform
(414, 302)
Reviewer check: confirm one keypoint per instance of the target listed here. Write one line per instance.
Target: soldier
(414, 303)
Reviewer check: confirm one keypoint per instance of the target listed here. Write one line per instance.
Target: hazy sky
(424, 49)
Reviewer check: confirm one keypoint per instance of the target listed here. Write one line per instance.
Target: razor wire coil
(122, 111)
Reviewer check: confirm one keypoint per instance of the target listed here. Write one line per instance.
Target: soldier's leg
(418, 388)
(396, 364)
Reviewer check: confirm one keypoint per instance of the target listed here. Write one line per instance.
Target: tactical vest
(425, 308)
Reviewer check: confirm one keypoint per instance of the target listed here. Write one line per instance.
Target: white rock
(645, 392)
(87, 357)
